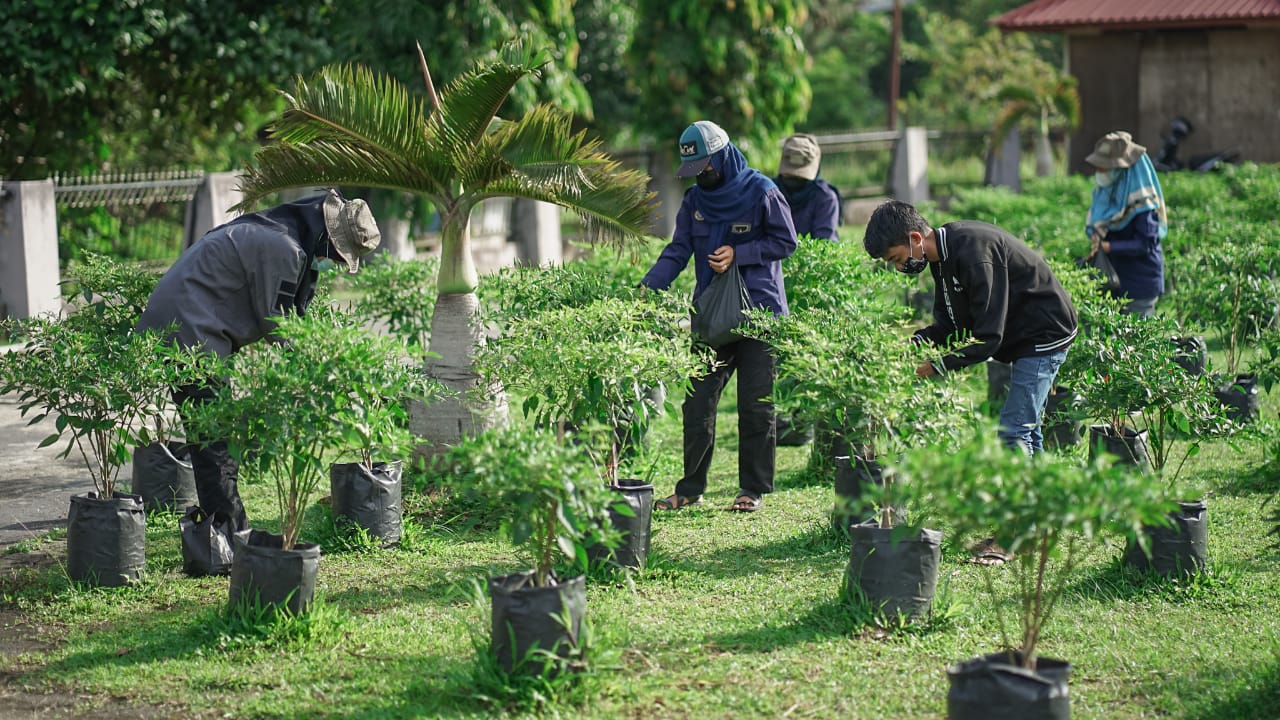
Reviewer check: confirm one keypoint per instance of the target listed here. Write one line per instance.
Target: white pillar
(29, 273)
(910, 179)
(212, 205)
(535, 228)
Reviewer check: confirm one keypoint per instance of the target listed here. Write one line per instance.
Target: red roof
(1058, 15)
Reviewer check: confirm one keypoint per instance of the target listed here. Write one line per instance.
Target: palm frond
(350, 104)
(324, 162)
(1008, 117)
(1066, 101)
(470, 101)
(615, 205)
(1018, 93)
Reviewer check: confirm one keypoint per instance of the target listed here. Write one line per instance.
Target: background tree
(991, 81)
(848, 49)
(739, 63)
(456, 34)
(88, 85)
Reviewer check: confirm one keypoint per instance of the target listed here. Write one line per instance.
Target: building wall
(1226, 82)
(1106, 68)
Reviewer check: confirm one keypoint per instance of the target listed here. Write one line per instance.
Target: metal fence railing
(138, 216)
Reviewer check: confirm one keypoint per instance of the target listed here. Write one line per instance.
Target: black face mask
(709, 179)
(914, 266)
(792, 184)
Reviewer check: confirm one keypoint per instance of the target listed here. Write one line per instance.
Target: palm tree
(1047, 97)
(349, 127)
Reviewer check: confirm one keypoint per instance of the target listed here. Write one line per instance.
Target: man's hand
(925, 370)
(721, 259)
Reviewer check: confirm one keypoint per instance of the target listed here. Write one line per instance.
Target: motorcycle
(1179, 129)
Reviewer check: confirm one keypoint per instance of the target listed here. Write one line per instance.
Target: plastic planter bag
(635, 528)
(264, 573)
(207, 547)
(370, 500)
(527, 618)
(994, 687)
(106, 539)
(162, 475)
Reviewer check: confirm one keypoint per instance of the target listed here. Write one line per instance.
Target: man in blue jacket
(733, 216)
(815, 203)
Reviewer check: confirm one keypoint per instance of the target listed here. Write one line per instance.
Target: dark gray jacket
(224, 291)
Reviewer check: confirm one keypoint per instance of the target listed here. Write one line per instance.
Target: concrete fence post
(1003, 161)
(29, 273)
(535, 228)
(910, 175)
(211, 205)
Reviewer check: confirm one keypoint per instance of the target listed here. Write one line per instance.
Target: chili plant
(550, 492)
(1043, 509)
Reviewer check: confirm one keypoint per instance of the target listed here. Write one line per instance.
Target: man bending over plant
(990, 288)
(225, 290)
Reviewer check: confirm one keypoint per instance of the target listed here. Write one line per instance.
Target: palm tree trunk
(456, 334)
(1044, 150)
(457, 267)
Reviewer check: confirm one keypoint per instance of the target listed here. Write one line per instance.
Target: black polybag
(633, 550)
(263, 573)
(106, 539)
(368, 499)
(163, 476)
(897, 575)
(206, 543)
(525, 617)
(721, 309)
(994, 687)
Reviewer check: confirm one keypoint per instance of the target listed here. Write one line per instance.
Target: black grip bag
(721, 309)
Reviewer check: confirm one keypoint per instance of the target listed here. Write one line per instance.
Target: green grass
(738, 615)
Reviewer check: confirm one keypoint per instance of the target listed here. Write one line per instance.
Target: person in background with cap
(815, 211)
(1127, 219)
(733, 215)
(815, 203)
(224, 291)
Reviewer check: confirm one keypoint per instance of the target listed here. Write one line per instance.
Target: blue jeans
(1142, 307)
(1029, 387)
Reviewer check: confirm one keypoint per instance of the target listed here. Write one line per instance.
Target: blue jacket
(761, 238)
(815, 209)
(1137, 257)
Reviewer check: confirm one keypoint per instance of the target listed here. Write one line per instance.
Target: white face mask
(1104, 177)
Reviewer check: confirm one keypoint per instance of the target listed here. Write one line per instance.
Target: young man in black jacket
(991, 286)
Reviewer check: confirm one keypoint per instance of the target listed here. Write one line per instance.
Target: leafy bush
(327, 385)
(103, 384)
(1040, 508)
(595, 364)
(550, 491)
(400, 294)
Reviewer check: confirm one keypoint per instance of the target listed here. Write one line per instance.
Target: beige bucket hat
(352, 229)
(1116, 149)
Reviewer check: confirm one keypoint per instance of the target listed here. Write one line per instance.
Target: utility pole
(894, 54)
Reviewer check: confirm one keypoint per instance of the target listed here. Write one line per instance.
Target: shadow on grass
(438, 685)
(1117, 581)
(1238, 693)
(831, 618)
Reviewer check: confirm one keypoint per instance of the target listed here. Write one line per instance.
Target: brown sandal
(676, 502)
(746, 502)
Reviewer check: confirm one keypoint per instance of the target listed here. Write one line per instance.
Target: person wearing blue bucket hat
(733, 216)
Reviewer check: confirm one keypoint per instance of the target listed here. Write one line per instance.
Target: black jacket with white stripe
(993, 287)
